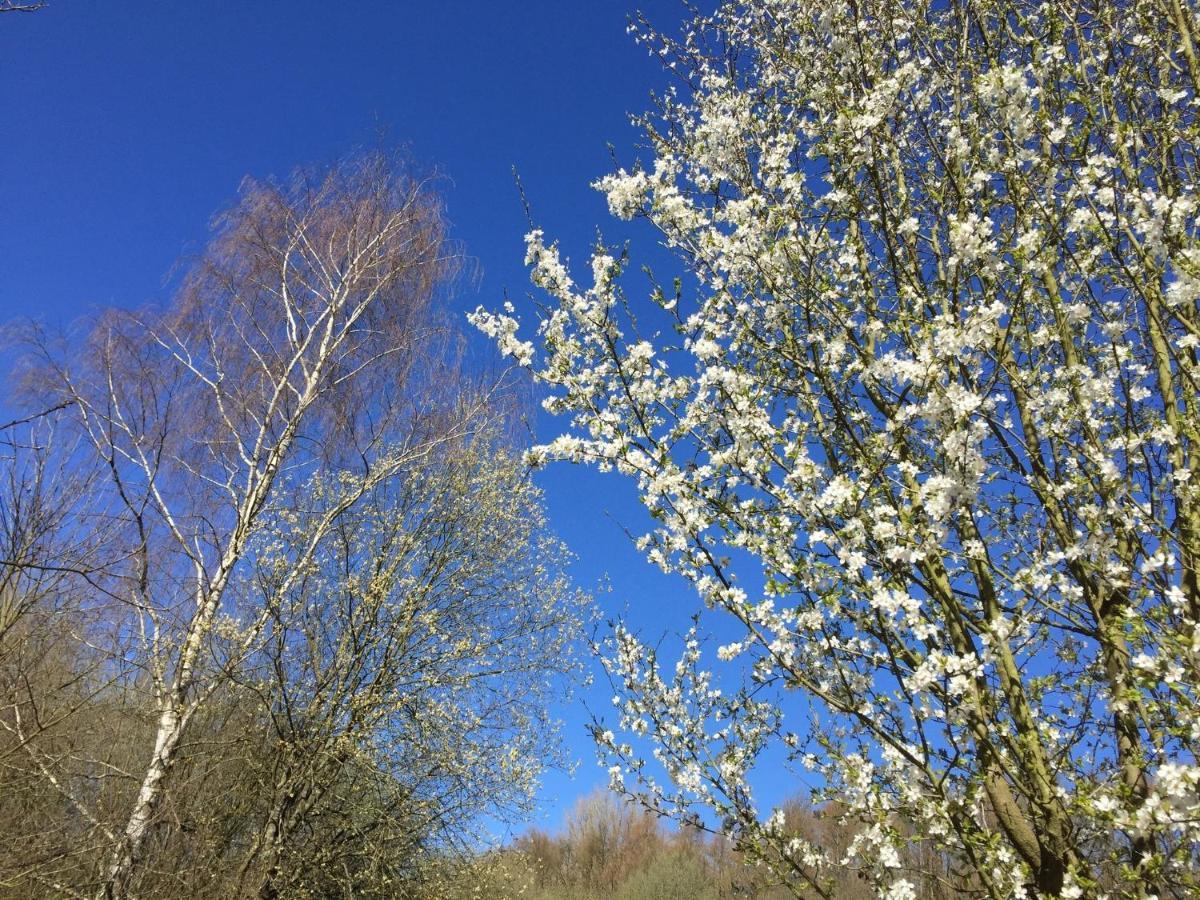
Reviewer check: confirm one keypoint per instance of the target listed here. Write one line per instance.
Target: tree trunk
(127, 852)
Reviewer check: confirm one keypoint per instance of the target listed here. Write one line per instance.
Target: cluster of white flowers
(938, 378)
(503, 329)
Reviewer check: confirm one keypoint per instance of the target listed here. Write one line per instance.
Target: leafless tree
(52, 686)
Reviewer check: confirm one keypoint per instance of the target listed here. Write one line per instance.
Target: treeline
(610, 849)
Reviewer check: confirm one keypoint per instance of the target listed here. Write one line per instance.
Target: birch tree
(259, 440)
(919, 426)
(306, 293)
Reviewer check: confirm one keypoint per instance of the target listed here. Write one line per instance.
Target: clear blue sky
(127, 125)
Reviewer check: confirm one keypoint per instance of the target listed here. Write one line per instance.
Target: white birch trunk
(170, 729)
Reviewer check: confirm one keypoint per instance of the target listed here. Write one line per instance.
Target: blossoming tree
(934, 375)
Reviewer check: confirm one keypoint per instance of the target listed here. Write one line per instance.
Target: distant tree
(606, 839)
(669, 876)
(933, 394)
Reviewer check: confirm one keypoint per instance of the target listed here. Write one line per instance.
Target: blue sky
(126, 126)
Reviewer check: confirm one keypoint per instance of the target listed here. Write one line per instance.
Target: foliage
(932, 392)
(672, 877)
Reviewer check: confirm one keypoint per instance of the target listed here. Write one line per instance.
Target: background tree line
(611, 849)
